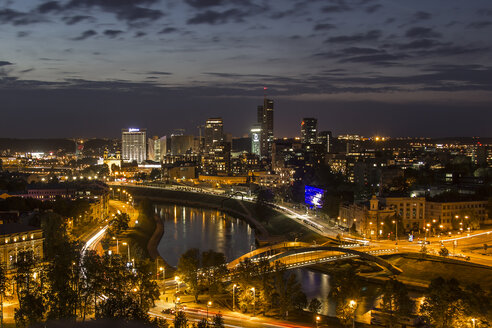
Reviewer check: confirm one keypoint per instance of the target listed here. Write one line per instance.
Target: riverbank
(269, 224)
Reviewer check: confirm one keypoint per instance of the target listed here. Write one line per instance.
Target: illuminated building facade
(134, 145)
(265, 119)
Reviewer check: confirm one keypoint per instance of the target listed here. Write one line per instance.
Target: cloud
(112, 33)
(359, 37)
(204, 3)
(338, 8)
(131, 11)
(167, 30)
(479, 24)
(159, 73)
(140, 34)
(419, 44)
(49, 6)
(27, 70)
(215, 17)
(71, 20)
(376, 59)
(421, 32)
(323, 27)
(23, 34)
(14, 17)
(85, 35)
(373, 8)
(421, 15)
(5, 63)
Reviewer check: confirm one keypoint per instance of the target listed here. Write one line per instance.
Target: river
(205, 229)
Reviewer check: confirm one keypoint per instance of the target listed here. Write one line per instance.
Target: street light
(395, 222)
(127, 244)
(176, 279)
(234, 297)
(317, 320)
(254, 301)
(473, 322)
(353, 305)
(209, 303)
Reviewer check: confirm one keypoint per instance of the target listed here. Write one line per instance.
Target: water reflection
(187, 227)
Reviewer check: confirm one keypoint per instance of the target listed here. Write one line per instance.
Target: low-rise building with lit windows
(15, 238)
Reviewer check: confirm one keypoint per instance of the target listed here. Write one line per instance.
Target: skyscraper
(325, 138)
(265, 119)
(213, 132)
(134, 145)
(256, 139)
(309, 131)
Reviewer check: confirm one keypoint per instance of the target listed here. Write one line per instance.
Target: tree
(214, 265)
(443, 303)
(315, 305)
(29, 291)
(188, 265)
(3, 285)
(395, 302)
(180, 320)
(125, 308)
(119, 223)
(346, 293)
(444, 252)
(218, 321)
(286, 289)
(202, 324)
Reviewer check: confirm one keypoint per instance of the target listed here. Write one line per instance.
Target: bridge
(299, 254)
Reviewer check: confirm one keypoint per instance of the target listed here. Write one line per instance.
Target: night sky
(395, 67)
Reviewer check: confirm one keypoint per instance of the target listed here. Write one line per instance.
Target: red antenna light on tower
(264, 91)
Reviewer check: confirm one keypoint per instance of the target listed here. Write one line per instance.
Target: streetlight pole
(317, 320)
(353, 305)
(209, 303)
(234, 297)
(396, 231)
(254, 301)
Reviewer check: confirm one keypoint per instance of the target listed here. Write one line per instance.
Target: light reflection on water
(187, 227)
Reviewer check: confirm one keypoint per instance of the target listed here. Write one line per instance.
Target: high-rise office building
(326, 139)
(213, 132)
(134, 145)
(309, 131)
(265, 119)
(154, 149)
(256, 139)
(181, 145)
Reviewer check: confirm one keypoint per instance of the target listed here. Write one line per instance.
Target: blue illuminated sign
(313, 196)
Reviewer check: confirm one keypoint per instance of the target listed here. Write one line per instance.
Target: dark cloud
(449, 51)
(140, 34)
(71, 20)
(112, 33)
(85, 35)
(9, 16)
(159, 73)
(422, 32)
(373, 8)
(421, 15)
(49, 6)
(204, 3)
(215, 17)
(377, 59)
(479, 24)
(338, 8)
(389, 20)
(323, 27)
(167, 30)
(23, 34)
(359, 51)
(359, 37)
(420, 44)
(27, 70)
(131, 11)
(5, 63)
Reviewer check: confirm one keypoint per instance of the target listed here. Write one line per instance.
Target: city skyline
(90, 67)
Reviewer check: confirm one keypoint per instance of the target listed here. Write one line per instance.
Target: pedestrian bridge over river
(299, 254)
